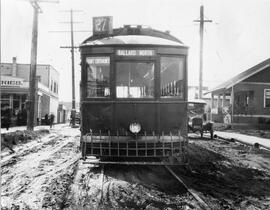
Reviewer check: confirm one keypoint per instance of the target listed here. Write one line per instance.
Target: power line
(72, 47)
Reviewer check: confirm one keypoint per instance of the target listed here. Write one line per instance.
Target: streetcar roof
(132, 40)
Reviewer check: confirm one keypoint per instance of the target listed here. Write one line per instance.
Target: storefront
(15, 89)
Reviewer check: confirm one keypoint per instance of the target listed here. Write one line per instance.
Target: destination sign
(135, 52)
(98, 60)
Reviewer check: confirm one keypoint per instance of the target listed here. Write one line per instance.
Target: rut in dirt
(40, 173)
(127, 187)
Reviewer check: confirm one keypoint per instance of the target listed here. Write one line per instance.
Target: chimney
(14, 66)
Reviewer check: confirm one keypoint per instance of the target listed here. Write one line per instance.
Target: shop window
(39, 78)
(51, 85)
(98, 76)
(54, 87)
(134, 80)
(5, 104)
(5, 96)
(267, 98)
(172, 77)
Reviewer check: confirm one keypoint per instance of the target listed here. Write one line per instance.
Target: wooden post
(218, 101)
(232, 103)
(73, 111)
(212, 105)
(223, 99)
(33, 67)
(202, 21)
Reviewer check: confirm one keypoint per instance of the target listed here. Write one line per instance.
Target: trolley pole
(202, 21)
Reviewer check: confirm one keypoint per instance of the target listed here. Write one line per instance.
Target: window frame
(86, 77)
(264, 98)
(135, 60)
(183, 57)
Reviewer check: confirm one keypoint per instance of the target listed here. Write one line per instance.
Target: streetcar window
(172, 77)
(134, 80)
(98, 76)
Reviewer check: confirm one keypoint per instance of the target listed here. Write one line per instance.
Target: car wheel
(201, 134)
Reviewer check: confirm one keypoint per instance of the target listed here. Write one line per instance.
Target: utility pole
(73, 111)
(33, 65)
(33, 68)
(72, 47)
(202, 21)
(0, 94)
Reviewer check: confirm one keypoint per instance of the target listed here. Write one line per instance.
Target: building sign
(98, 60)
(102, 25)
(11, 82)
(135, 53)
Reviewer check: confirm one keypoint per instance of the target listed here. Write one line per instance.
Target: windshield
(134, 80)
(196, 109)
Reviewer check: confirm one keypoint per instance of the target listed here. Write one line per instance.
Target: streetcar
(134, 96)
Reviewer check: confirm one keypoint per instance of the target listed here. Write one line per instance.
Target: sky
(237, 39)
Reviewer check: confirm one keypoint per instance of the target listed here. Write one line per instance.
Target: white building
(15, 90)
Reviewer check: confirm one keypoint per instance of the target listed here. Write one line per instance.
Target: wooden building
(249, 94)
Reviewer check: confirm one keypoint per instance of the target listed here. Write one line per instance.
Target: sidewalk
(244, 138)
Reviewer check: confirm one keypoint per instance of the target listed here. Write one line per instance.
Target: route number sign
(102, 25)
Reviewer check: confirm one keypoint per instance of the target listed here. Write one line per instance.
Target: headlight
(135, 127)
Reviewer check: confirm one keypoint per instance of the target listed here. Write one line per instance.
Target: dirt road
(47, 173)
(30, 175)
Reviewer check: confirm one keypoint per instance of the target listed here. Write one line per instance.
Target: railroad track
(192, 192)
(102, 183)
(202, 204)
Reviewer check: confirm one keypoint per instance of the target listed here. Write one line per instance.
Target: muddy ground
(47, 173)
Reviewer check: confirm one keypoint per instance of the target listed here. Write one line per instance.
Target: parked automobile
(197, 118)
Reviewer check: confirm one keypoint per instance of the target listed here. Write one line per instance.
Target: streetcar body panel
(133, 94)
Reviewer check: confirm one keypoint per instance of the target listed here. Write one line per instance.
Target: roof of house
(242, 76)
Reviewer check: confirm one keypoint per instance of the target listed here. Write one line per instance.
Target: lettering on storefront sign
(98, 60)
(135, 52)
(11, 83)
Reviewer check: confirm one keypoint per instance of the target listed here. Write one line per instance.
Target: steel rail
(202, 204)
(102, 184)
